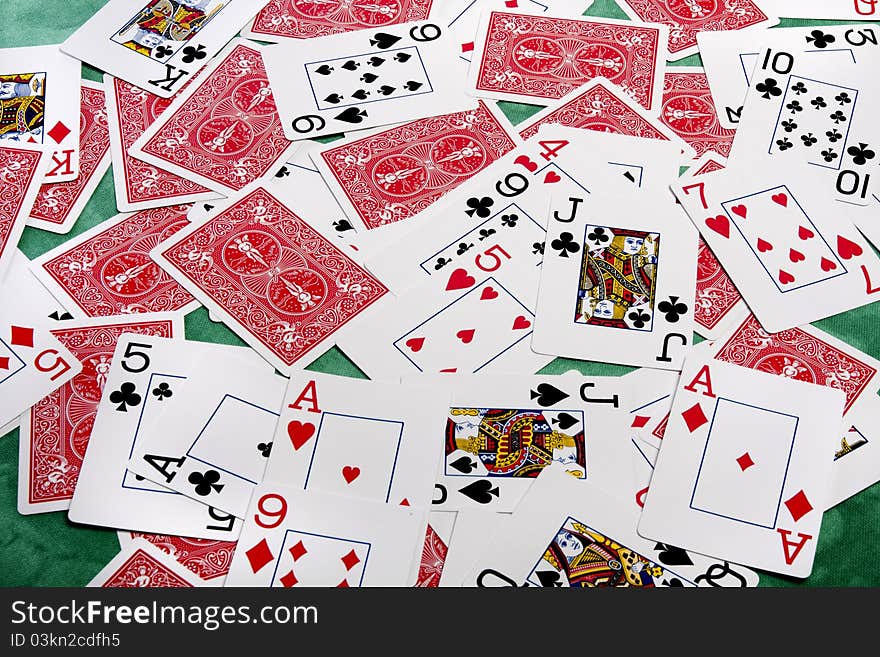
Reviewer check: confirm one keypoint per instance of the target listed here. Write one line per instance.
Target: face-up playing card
(59, 205)
(810, 108)
(281, 20)
(394, 174)
(857, 457)
(209, 559)
(786, 245)
(529, 58)
(293, 538)
(689, 111)
(55, 432)
(108, 270)
(212, 444)
(260, 253)
(143, 371)
(39, 99)
(744, 468)
(604, 107)
(572, 534)
(364, 439)
(688, 19)
(364, 79)
(437, 539)
(21, 168)
(620, 292)
(140, 564)
(223, 131)
(158, 45)
(139, 185)
(856, 10)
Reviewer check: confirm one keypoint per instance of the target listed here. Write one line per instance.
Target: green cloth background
(48, 550)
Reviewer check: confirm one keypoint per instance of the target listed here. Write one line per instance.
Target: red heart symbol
(847, 249)
(827, 265)
(459, 279)
(720, 225)
(740, 210)
(465, 335)
(488, 293)
(805, 233)
(780, 199)
(785, 278)
(551, 177)
(526, 161)
(415, 344)
(300, 433)
(795, 256)
(449, 370)
(350, 473)
(521, 323)
(764, 245)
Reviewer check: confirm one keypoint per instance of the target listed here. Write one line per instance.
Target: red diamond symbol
(798, 505)
(467, 47)
(22, 337)
(350, 560)
(259, 555)
(640, 420)
(343, 584)
(745, 462)
(58, 132)
(404, 502)
(298, 551)
(289, 580)
(694, 417)
(4, 363)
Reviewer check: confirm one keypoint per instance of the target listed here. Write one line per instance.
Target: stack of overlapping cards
(450, 256)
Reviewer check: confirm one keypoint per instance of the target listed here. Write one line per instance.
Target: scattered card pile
(450, 256)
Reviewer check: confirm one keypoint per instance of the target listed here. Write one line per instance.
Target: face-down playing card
(22, 168)
(141, 564)
(294, 538)
(744, 468)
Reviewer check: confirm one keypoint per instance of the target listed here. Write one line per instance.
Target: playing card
(744, 468)
(618, 292)
(394, 174)
(786, 245)
(158, 45)
(364, 79)
(39, 103)
(107, 270)
(437, 539)
(686, 19)
(270, 276)
(689, 111)
(604, 107)
(209, 559)
(223, 131)
(470, 533)
(281, 20)
(213, 444)
(567, 533)
(139, 185)
(856, 459)
(364, 439)
(55, 431)
(857, 10)
(59, 204)
(143, 370)
(141, 564)
(528, 58)
(297, 538)
(21, 168)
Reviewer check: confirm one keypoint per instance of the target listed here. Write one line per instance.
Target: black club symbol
(808, 139)
(538, 247)
(191, 54)
(509, 220)
(282, 172)
(125, 397)
(441, 263)
(829, 155)
(565, 244)
(163, 391)
(672, 309)
(205, 482)
(639, 318)
(598, 235)
(784, 144)
(769, 88)
(485, 232)
(794, 106)
(838, 117)
(799, 88)
(819, 39)
(843, 98)
(818, 103)
(479, 206)
(463, 247)
(789, 126)
(163, 51)
(265, 449)
(834, 135)
(860, 154)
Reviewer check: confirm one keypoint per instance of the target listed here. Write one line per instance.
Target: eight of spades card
(630, 280)
(364, 439)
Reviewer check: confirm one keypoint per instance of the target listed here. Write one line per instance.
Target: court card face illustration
(158, 45)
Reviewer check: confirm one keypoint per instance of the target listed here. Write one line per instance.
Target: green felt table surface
(49, 550)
